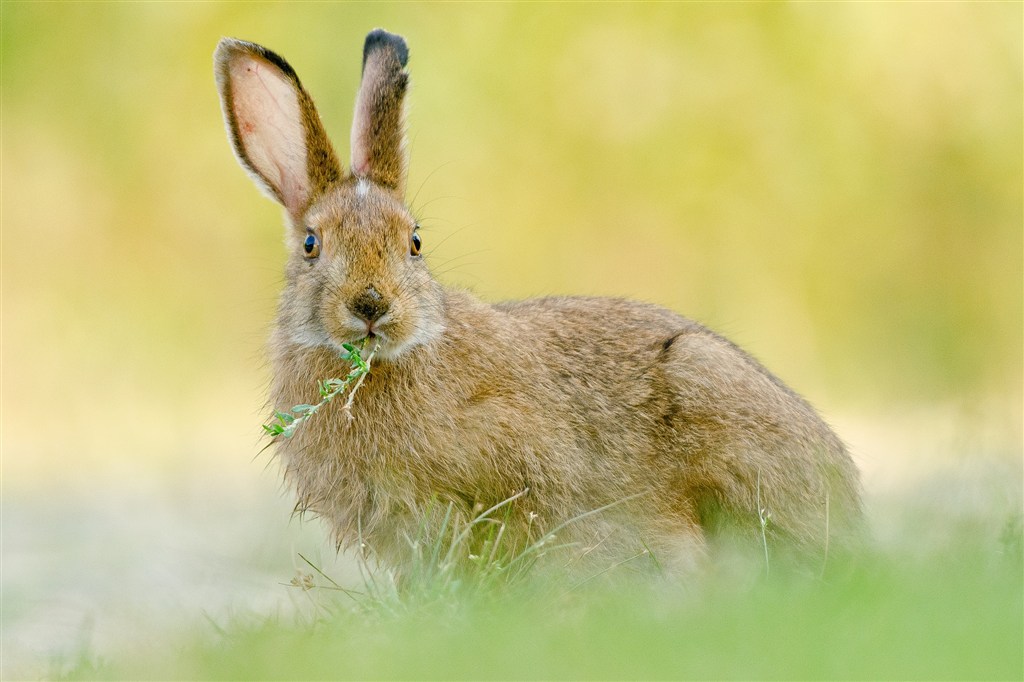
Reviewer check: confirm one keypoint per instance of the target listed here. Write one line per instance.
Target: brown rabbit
(583, 404)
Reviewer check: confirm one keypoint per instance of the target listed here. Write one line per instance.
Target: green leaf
(288, 422)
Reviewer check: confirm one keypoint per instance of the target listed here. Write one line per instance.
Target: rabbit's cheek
(304, 327)
(417, 326)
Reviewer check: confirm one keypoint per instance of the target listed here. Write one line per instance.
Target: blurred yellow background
(836, 187)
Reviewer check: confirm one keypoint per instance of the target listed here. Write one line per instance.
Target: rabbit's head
(355, 269)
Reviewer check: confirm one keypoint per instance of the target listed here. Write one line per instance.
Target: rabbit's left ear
(273, 125)
(378, 135)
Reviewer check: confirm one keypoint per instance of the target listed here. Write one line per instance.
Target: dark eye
(311, 246)
(414, 249)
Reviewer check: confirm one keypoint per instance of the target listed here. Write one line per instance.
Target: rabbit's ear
(274, 128)
(378, 137)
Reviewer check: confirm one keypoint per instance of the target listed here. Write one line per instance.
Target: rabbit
(623, 426)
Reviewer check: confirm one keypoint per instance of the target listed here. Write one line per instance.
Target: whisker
(412, 202)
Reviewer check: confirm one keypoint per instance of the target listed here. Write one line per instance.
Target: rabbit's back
(702, 421)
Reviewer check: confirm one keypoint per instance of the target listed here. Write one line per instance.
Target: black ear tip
(378, 37)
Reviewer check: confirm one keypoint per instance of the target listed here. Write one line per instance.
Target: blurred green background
(836, 187)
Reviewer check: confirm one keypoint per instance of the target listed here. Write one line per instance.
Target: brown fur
(586, 402)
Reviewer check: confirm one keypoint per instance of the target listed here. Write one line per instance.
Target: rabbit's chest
(412, 440)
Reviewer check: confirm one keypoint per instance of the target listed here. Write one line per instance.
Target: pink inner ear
(270, 128)
(360, 165)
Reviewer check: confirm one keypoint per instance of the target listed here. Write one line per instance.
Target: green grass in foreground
(946, 611)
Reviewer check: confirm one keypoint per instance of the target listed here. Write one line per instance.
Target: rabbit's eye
(414, 248)
(311, 246)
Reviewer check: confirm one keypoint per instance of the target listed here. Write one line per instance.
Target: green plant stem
(288, 422)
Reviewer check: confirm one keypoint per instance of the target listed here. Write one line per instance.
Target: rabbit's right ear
(273, 125)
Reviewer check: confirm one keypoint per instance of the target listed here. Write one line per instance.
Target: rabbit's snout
(369, 305)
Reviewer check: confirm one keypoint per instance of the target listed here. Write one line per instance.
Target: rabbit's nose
(369, 305)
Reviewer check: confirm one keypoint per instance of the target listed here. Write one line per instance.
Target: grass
(901, 610)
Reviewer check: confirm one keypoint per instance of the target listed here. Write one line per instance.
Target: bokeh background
(837, 187)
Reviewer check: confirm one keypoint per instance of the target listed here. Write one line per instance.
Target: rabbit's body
(586, 402)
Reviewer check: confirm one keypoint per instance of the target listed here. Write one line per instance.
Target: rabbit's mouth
(373, 338)
(369, 338)
(393, 333)
(388, 344)
(376, 334)
(376, 331)
(383, 346)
